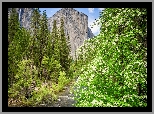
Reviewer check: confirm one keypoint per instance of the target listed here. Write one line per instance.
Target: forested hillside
(38, 62)
(111, 68)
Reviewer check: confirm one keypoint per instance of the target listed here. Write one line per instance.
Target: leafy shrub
(116, 74)
(25, 80)
(16, 50)
(52, 68)
(26, 76)
(44, 94)
(72, 69)
(62, 80)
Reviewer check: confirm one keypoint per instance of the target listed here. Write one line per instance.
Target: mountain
(75, 24)
(24, 16)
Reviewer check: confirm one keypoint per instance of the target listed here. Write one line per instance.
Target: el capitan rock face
(75, 24)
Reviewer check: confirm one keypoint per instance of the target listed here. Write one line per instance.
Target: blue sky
(92, 13)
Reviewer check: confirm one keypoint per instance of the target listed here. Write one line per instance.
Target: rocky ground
(65, 98)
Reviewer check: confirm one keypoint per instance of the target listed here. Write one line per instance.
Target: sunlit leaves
(117, 67)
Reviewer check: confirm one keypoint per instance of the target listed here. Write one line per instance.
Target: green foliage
(25, 76)
(13, 28)
(115, 75)
(44, 94)
(17, 50)
(13, 25)
(52, 68)
(62, 80)
(64, 48)
(112, 67)
(25, 79)
(35, 57)
(72, 69)
(44, 34)
(35, 41)
(42, 40)
(49, 49)
(55, 42)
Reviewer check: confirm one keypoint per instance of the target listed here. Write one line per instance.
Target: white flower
(94, 101)
(136, 72)
(92, 76)
(93, 67)
(113, 43)
(108, 104)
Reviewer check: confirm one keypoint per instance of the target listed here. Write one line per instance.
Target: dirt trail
(64, 98)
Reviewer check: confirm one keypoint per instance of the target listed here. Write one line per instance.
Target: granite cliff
(75, 24)
(24, 16)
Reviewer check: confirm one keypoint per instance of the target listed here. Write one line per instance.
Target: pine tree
(35, 26)
(53, 52)
(13, 24)
(17, 51)
(25, 43)
(55, 42)
(42, 39)
(13, 28)
(49, 51)
(64, 48)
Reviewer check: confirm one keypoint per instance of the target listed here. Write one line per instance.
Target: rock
(63, 96)
(65, 87)
(75, 24)
(24, 16)
(42, 104)
(90, 34)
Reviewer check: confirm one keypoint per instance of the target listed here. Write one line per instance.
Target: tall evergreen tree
(13, 28)
(49, 51)
(13, 24)
(55, 42)
(64, 48)
(18, 50)
(35, 26)
(42, 39)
